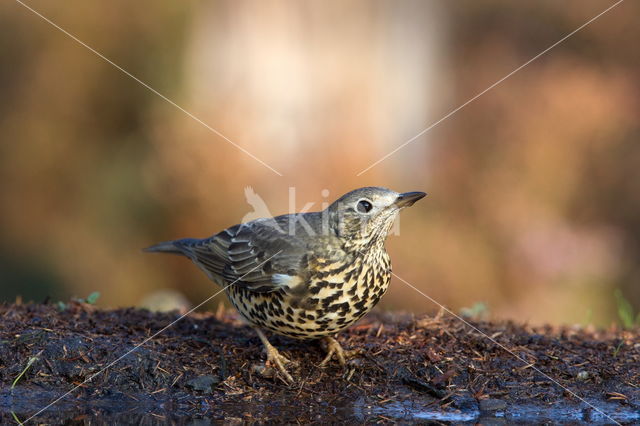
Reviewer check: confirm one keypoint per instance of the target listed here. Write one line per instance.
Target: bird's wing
(258, 255)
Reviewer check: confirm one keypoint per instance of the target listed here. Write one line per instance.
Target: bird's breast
(335, 295)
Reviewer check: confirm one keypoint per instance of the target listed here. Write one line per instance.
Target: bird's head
(366, 215)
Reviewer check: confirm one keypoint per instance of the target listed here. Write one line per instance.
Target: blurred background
(534, 188)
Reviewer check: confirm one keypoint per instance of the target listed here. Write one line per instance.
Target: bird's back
(252, 254)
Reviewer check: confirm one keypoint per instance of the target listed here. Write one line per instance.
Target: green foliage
(625, 311)
(93, 298)
(617, 349)
(90, 299)
(29, 364)
(479, 310)
(15, 417)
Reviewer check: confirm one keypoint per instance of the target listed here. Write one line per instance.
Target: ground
(207, 367)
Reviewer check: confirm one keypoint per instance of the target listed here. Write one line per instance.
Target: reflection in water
(119, 408)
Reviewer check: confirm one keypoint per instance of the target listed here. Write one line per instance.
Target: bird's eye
(364, 206)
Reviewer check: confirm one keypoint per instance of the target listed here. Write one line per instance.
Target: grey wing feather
(249, 255)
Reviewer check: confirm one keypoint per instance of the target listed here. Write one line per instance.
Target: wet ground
(204, 369)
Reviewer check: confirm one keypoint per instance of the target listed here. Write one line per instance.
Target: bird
(303, 275)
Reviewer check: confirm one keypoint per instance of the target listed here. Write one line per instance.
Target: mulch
(205, 365)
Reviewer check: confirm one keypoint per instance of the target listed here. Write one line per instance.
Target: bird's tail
(174, 247)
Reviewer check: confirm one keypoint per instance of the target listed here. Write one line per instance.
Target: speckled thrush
(307, 275)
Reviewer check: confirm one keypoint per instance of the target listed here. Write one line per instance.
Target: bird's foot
(333, 348)
(274, 358)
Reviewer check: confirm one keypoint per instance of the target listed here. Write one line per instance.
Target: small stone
(583, 375)
(492, 405)
(263, 370)
(203, 384)
(356, 362)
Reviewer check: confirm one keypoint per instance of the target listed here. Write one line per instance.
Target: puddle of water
(579, 414)
(192, 410)
(406, 410)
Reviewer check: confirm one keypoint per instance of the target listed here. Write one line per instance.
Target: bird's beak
(408, 198)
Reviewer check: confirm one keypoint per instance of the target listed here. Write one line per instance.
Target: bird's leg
(333, 347)
(274, 357)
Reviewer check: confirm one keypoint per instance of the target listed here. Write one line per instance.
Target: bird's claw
(278, 360)
(274, 358)
(333, 348)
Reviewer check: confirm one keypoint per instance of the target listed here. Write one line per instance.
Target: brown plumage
(305, 276)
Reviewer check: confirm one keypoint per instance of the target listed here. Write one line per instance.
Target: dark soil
(408, 368)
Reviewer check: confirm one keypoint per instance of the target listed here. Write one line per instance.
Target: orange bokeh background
(534, 187)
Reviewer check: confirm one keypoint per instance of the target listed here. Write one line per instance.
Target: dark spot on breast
(329, 300)
(322, 274)
(360, 305)
(341, 268)
(344, 307)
